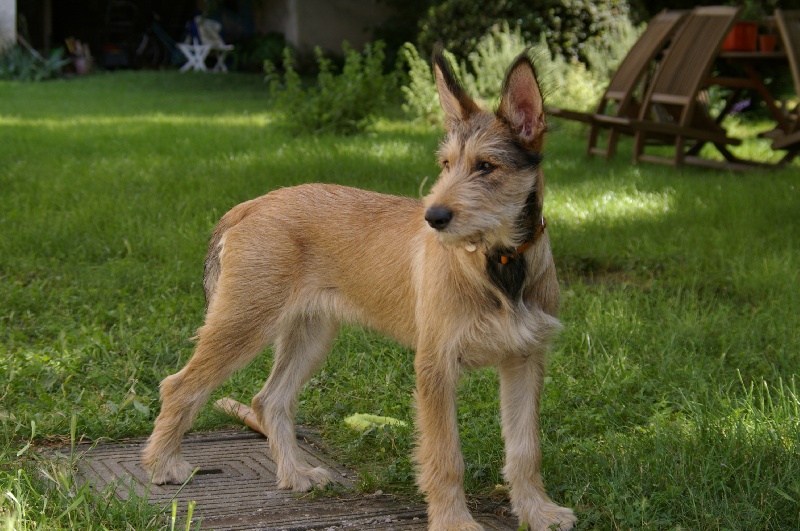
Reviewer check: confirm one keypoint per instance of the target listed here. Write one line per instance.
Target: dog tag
(470, 247)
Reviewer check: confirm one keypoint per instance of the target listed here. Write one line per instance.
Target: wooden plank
(688, 132)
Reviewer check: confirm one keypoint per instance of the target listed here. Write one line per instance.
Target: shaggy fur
(289, 267)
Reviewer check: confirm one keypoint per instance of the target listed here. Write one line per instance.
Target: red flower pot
(743, 37)
(766, 43)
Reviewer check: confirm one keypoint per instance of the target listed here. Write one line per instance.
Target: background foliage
(568, 84)
(340, 103)
(566, 25)
(19, 64)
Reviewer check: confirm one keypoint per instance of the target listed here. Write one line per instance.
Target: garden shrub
(567, 25)
(250, 54)
(481, 75)
(421, 96)
(419, 92)
(400, 26)
(569, 83)
(488, 63)
(603, 57)
(19, 64)
(345, 103)
(566, 83)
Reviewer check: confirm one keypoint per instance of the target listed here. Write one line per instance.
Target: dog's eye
(446, 164)
(485, 167)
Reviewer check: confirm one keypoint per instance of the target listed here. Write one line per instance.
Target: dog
(465, 276)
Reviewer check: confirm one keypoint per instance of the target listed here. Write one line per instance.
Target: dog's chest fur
(509, 275)
(477, 321)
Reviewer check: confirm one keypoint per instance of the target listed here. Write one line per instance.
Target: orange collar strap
(505, 258)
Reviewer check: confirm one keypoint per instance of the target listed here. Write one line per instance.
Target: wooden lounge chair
(789, 28)
(671, 109)
(619, 98)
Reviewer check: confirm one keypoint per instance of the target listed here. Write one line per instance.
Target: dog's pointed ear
(521, 104)
(454, 99)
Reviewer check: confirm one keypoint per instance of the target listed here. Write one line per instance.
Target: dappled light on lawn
(579, 204)
(204, 120)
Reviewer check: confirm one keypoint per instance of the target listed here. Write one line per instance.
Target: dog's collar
(505, 258)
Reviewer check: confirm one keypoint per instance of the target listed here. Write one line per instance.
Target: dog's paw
(550, 517)
(304, 479)
(172, 471)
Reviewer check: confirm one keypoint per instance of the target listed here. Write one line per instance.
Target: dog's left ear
(455, 101)
(521, 104)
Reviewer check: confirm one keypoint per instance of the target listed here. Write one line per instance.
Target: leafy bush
(567, 25)
(420, 94)
(421, 98)
(482, 76)
(603, 57)
(345, 103)
(250, 55)
(569, 83)
(493, 53)
(20, 64)
(566, 83)
(400, 26)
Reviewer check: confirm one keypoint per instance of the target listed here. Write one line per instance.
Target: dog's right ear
(521, 104)
(455, 101)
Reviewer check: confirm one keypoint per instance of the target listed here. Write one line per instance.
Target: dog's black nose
(438, 217)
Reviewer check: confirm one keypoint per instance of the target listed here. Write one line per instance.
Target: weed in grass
(344, 103)
(42, 490)
(173, 520)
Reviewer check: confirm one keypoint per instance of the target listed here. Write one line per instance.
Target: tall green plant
(339, 103)
(490, 59)
(420, 94)
(603, 57)
(567, 83)
(566, 24)
(421, 98)
(17, 63)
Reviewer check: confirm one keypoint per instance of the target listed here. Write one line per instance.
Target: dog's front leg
(441, 466)
(521, 380)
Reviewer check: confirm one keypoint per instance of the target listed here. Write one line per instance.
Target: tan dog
(465, 276)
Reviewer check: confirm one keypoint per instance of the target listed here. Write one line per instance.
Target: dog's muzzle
(438, 217)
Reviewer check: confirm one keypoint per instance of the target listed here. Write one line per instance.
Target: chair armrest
(569, 115)
(679, 130)
(784, 141)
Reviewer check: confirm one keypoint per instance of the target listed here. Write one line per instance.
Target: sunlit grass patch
(122, 123)
(596, 202)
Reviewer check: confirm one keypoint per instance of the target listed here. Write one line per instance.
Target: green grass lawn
(671, 399)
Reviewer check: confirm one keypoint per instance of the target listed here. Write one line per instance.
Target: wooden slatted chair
(789, 29)
(670, 108)
(620, 97)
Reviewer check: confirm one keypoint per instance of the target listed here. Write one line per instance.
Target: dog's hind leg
(223, 347)
(300, 350)
(521, 381)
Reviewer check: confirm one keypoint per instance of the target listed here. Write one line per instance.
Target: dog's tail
(213, 264)
(216, 246)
